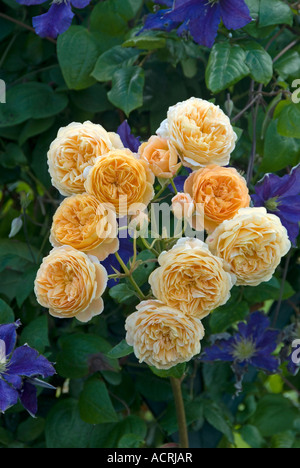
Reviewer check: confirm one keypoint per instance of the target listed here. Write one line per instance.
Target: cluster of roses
(92, 168)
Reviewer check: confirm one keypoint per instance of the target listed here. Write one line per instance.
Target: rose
(252, 243)
(76, 147)
(218, 193)
(70, 284)
(84, 224)
(200, 132)
(120, 179)
(183, 206)
(161, 156)
(162, 336)
(191, 279)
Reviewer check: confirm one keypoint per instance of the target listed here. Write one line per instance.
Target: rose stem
(129, 275)
(180, 412)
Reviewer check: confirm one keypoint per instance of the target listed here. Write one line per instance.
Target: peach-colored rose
(191, 279)
(120, 179)
(87, 225)
(252, 243)
(162, 157)
(218, 193)
(162, 336)
(200, 132)
(76, 147)
(70, 284)
(183, 206)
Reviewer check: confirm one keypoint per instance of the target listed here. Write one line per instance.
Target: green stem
(174, 186)
(129, 275)
(180, 412)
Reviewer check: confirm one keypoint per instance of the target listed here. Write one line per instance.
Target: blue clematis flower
(281, 196)
(58, 18)
(200, 17)
(19, 369)
(253, 345)
(128, 139)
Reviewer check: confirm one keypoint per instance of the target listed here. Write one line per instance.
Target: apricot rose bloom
(161, 156)
(76, 147)
(252, 243)
(190, 278)
(162, 336)
(121, 179)
(200, 132)
(70, 284)
(87, 225)
(183, 206)
(218, 193)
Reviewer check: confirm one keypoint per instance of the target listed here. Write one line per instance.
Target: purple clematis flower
(200, 17)
(19, 369)
(58, 18)
(281, 196)
(128, 139)
(252, 345)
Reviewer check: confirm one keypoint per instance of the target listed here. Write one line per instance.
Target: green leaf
(95, 405)
(226, 66)
(93, 99)
(127, 89)
(76, 350)
(34, 127)
(142, 273)
(266, 291)
(275, 414)
(122, 293)
(112, 60)
(109, 435)
(30, 101)
(224, 317)
(274, 12)
(122, 349)
(288, 64)
(279, 151)
(16, 285)
(77, 54)
(146, 41)
(177, 371)
(36, 334)
(64, 427)
(216, 419)
(289, 121)
(12, 156)
(252, 436)
(130, 441)
(30, 429)
(6, 313)
(258, 61)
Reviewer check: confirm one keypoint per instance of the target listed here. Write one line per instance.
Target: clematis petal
(235, 13)
(30, 2)
(27, 362)
(127, 137)
(80, 3)
(265, 362)
(8, 396)
(204, 29)
(28, 398)
(56, 21)
(9, 336)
